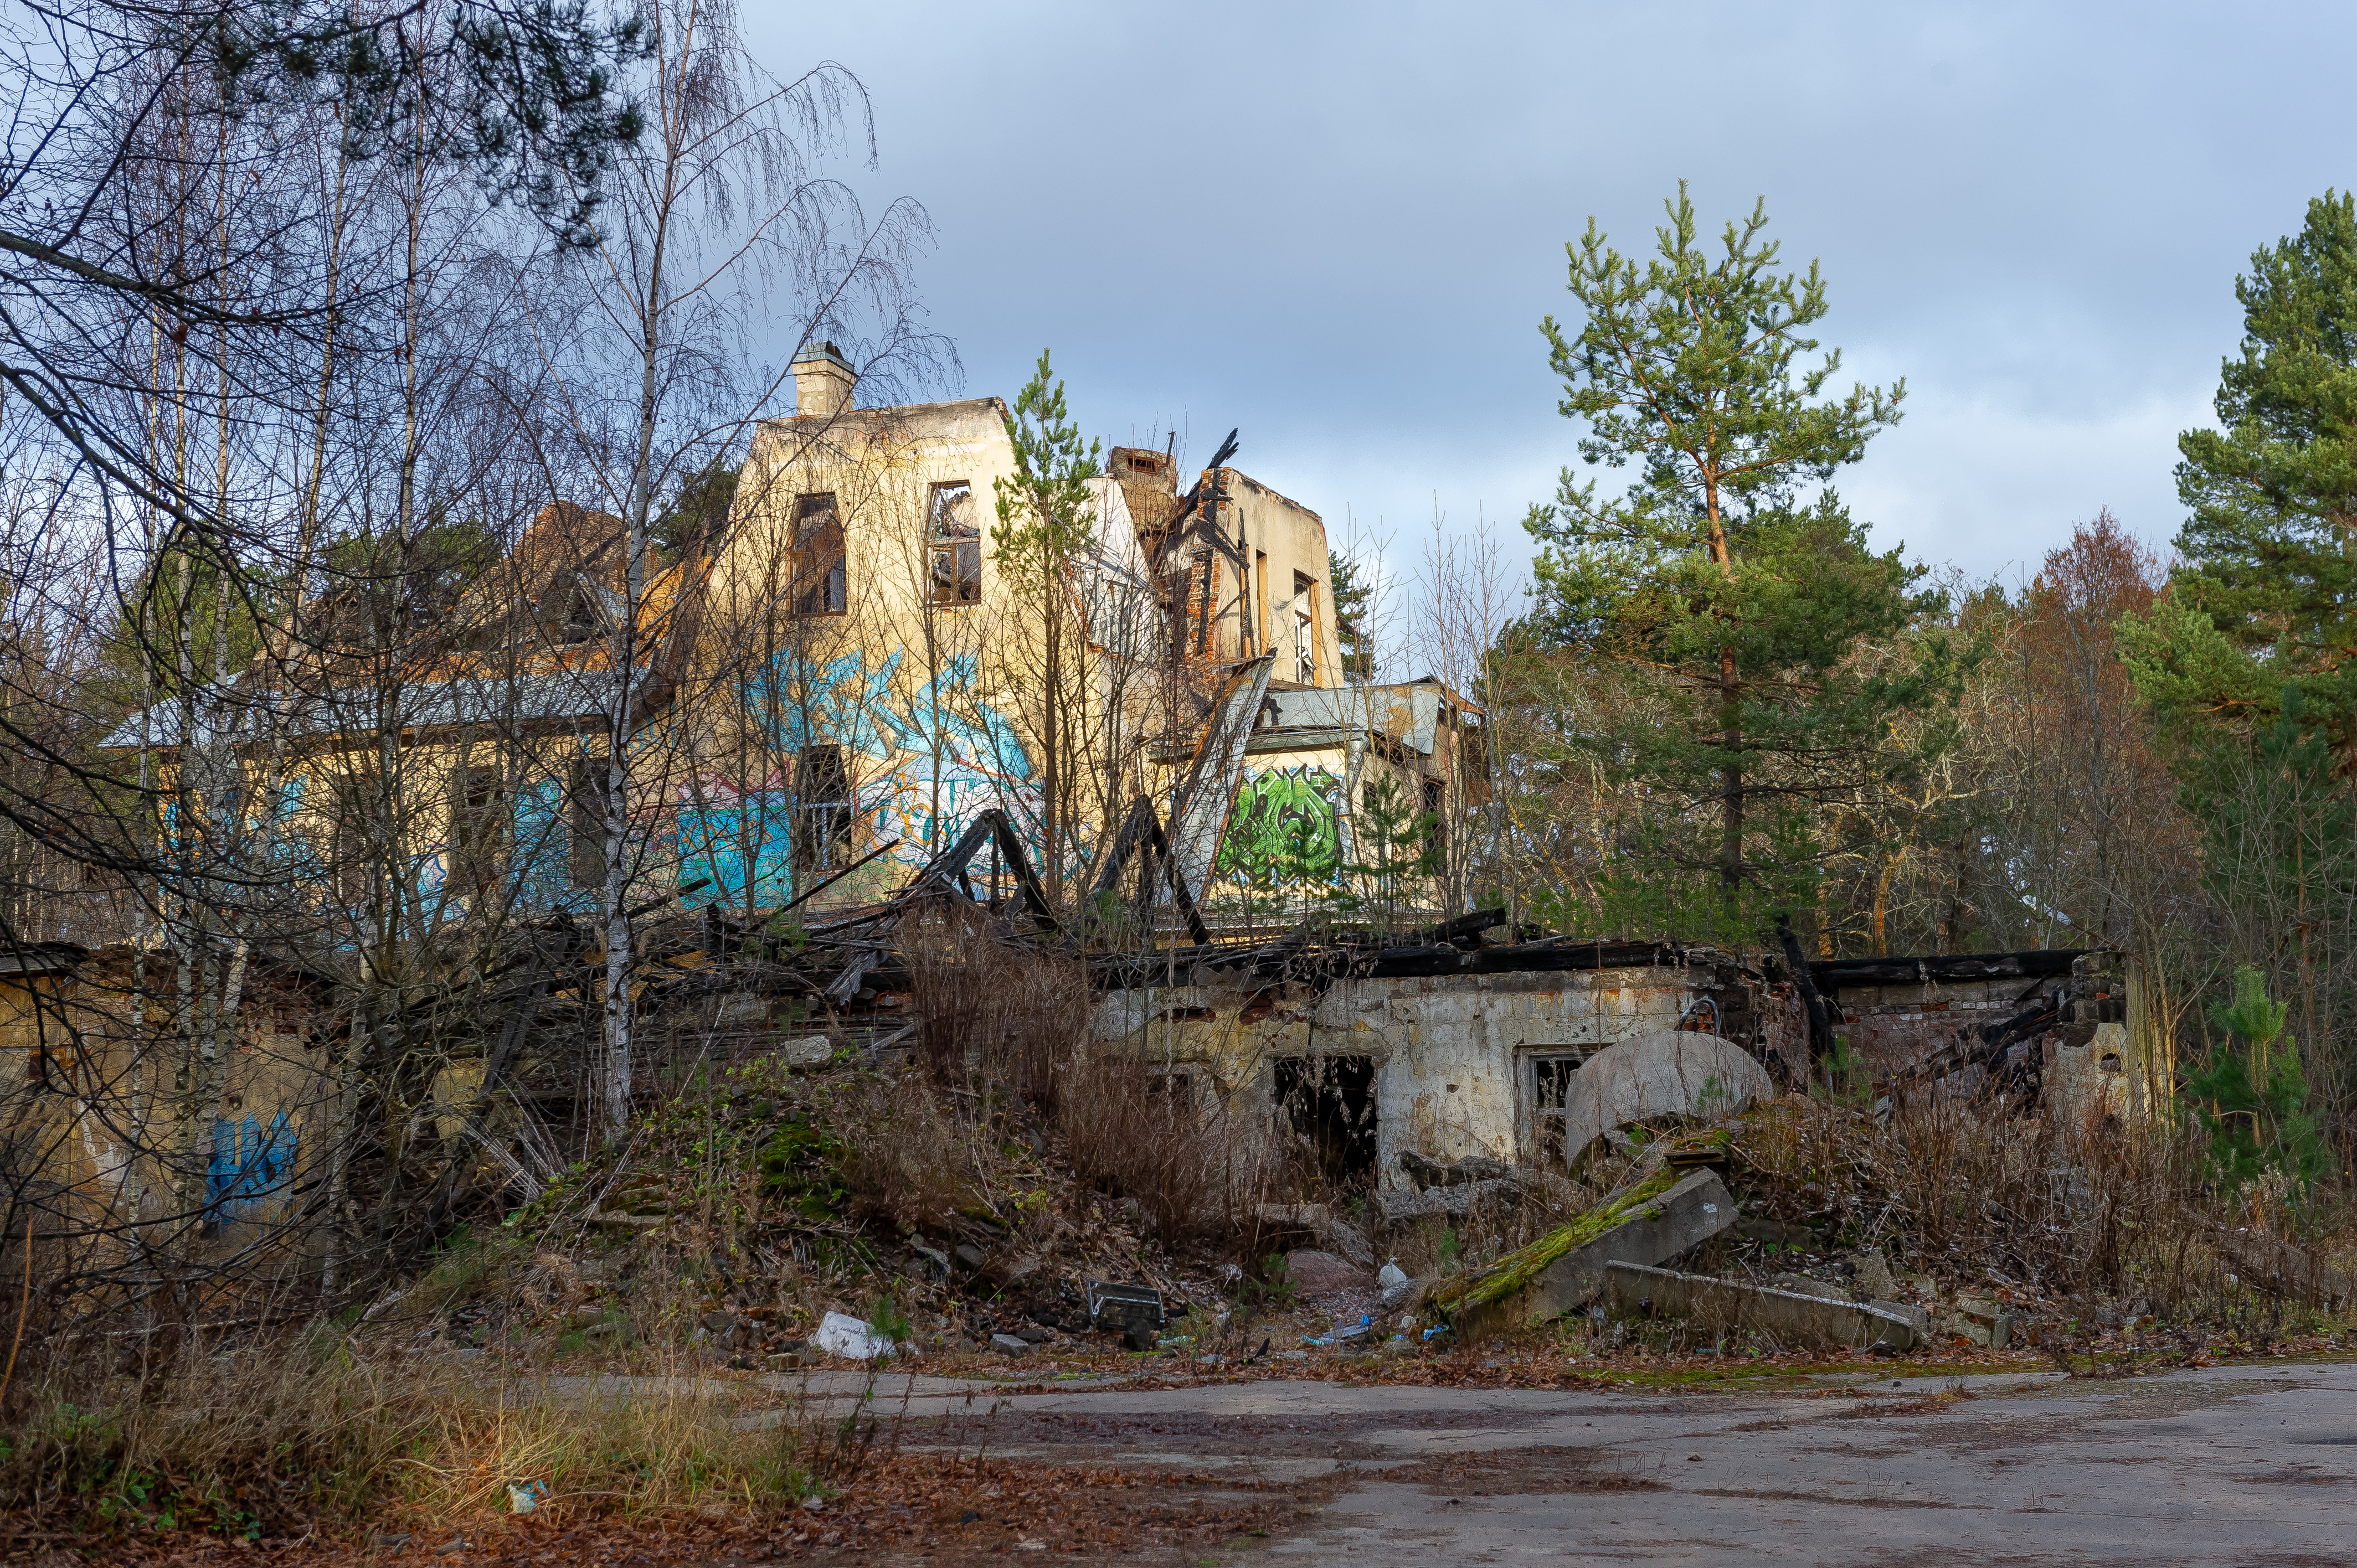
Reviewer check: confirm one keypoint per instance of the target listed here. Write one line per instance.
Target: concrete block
(1398, 1206)
(1339, 1236)
(1732, 1306)
(1919, 1318)
(1544, 1280)
(1983, 1321)
(809, 1050)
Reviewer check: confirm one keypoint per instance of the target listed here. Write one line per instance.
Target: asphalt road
(2255, 1466)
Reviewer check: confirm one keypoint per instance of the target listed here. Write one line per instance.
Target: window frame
(1536, 1113)
(823, 822)
(940, 542)
(1305, 629)
(483, 826)
(808, 592)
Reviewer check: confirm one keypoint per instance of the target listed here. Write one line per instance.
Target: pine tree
(1353, 602)
(2264, 591)
(1712, 577)
(1045, 510)
(2252, 1093)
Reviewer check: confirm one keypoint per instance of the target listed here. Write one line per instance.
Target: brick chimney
(823, 381)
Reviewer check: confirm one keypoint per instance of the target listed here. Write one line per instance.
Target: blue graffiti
(714, 842)
(248, 1168)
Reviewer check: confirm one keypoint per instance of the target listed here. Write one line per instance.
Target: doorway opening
(1330, 1103)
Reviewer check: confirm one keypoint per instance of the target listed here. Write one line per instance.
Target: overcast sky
(1337, 226)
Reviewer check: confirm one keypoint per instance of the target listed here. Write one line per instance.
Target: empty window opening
(956, 545)
(1305, 629)
(819, 586)
(569, 612)
(479, 824)
(1207, 594)
(1256, 622)
(1330, 1102)
(823, 802)
(1436, 832)
(585, 822)
(1546, 1082)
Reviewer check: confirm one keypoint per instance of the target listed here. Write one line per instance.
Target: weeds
(313, 1427)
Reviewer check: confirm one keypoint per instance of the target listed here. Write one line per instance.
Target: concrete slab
(1730, 1306)
(1659, 1230)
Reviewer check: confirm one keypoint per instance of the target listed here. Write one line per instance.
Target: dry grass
(1969, 1194)
(315, 1425)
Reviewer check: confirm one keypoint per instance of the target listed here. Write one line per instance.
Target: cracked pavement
(2240, 1465)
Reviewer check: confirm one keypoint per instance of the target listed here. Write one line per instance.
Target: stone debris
(1322, 1274)
(1008, 1345)
(1873, 1278)
(1716, 1306)
(1396, 1207)
(809, 1050)
(1983, 1320)
(1919, 1318)
(1332, 1232)
(1670, 1072)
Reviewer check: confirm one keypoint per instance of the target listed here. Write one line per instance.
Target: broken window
(479, 827)
(1305, 629)
(354, 811)
(585, 822)
(956, 545)
(1330, 1103)
(1203, 584)
(568, 613)
(823, 804)
(818, 584)
(1546, 1081)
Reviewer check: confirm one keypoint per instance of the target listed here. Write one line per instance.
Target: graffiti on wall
(1284, 832)
(926, 758)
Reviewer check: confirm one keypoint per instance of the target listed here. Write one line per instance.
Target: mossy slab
(1660, 1220)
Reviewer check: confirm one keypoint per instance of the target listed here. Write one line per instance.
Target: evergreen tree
(2252, 1093)
(1047, 510)
(1712, 577)
(1353, 602)
(2264, 591)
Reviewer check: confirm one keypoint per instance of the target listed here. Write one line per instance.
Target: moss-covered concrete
(1514, 1273)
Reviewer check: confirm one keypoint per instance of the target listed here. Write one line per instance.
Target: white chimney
(823, 381)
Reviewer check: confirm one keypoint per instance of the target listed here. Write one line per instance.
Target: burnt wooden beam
(1832, 974)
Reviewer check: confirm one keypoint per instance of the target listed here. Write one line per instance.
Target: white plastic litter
(841, 1335)
(1390, 1282)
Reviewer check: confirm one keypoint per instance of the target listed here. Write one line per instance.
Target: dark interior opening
(1331, 1101)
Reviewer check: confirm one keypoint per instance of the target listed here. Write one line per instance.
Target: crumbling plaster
(1448, 1053)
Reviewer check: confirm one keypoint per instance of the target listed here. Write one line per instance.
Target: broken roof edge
(1941, 967)
(804, 424)
(1229, 962)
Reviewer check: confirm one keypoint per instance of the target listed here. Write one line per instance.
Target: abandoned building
(1454, 1047)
